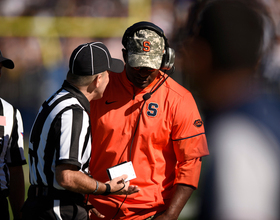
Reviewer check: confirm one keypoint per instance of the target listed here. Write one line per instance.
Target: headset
(169, 53)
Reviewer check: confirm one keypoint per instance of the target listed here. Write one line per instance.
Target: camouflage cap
(145, 49)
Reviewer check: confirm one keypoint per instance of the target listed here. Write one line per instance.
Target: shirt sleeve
(189, 141)
(15, 153)
(74, 129)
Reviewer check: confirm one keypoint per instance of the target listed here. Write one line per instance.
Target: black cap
(6, 62)
(93, 58)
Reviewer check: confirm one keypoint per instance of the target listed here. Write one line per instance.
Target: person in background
(147, 118)
(60, 141)
(11, 155)
(225, 48)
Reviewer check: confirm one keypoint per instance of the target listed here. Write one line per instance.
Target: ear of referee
(60, 142)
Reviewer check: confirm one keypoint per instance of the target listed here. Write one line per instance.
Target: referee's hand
(120, 187)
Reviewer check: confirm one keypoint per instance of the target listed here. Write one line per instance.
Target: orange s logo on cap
(146, 46)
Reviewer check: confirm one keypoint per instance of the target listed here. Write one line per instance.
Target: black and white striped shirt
(60, 135)
(11, 142)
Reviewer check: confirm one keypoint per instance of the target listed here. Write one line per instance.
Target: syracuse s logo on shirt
(152, 109)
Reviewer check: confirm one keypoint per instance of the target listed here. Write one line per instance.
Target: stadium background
(40, 35)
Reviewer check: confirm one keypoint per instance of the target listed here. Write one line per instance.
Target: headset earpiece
(169, 54)
(168, 59)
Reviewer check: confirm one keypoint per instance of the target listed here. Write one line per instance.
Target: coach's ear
(124, 52)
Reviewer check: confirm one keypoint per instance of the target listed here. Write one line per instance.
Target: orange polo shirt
(165, 149)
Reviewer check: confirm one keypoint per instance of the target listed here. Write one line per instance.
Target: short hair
(80, 80)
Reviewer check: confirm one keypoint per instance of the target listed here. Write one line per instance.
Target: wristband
(108, 190)
(97, 185)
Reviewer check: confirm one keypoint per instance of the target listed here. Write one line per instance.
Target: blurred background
(39, 36)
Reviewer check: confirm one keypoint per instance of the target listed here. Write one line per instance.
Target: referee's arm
(69, 177)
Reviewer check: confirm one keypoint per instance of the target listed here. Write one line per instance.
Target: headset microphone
(147, 96)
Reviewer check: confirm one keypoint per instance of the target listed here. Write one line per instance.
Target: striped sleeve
(15, 154)
(74, 124)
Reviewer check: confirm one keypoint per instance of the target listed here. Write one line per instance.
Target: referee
(60, 141)
(11, 155)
